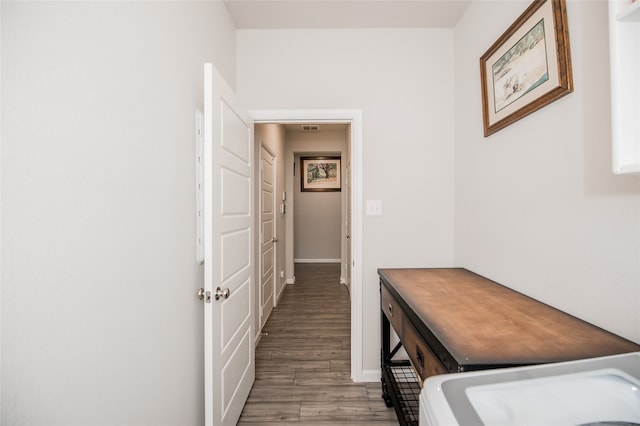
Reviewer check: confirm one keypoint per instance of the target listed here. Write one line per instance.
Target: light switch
(374, 207)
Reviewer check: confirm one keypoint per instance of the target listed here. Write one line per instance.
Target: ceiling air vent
(310, 128)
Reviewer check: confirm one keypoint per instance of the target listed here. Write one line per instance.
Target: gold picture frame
(528, 67)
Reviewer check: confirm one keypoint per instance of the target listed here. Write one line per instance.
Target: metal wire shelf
(405, 385)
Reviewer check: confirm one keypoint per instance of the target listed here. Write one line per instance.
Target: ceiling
(323, 14)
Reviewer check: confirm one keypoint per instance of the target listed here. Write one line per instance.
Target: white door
(228, 252)
(267, 235)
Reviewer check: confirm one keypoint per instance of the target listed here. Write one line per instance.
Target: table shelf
(403, 391)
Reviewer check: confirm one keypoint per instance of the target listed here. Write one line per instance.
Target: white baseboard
(290, 280)
(283, 285)
(371, 376)
(317, 260)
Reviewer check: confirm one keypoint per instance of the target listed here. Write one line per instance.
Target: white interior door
(268, 237)
(228, 252)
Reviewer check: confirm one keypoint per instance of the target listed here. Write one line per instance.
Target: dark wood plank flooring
(303, 364)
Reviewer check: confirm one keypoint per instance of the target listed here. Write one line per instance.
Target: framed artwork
(528, 67)
(318, 174)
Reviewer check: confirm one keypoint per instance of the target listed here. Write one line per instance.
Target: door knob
(222, 293)
(275, 239)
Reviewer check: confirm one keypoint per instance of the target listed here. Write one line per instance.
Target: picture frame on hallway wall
(320, 174)
(528, 67)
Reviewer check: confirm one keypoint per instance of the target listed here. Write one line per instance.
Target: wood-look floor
(303, 360)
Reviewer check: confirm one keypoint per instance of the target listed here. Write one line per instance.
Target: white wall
(316, 225)
(402, 80)
(317, 215)
(537, 206)
(100, 323)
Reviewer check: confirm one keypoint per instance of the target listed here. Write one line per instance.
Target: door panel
(268, 232)
(235, 252)
(235, 312)
(267, 197)
(235, 130)
(235, 200)
(234, 371)
(228, 253)
(267, 262)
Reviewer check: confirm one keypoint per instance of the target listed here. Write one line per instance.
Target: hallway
(302, 361)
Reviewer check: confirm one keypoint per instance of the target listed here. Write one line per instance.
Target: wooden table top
(480, 322)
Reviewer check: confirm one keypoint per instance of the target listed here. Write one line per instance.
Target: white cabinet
(624, 28)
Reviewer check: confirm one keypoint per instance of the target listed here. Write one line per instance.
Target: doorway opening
(351, 213)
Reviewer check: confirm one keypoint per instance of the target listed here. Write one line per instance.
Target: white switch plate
(374, 207)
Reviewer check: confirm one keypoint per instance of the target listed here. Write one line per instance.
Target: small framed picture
(320, 174)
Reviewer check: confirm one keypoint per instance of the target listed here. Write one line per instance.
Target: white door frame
(354, 117)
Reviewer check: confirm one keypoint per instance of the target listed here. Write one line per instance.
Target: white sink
(602, 390)
(574, 399)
